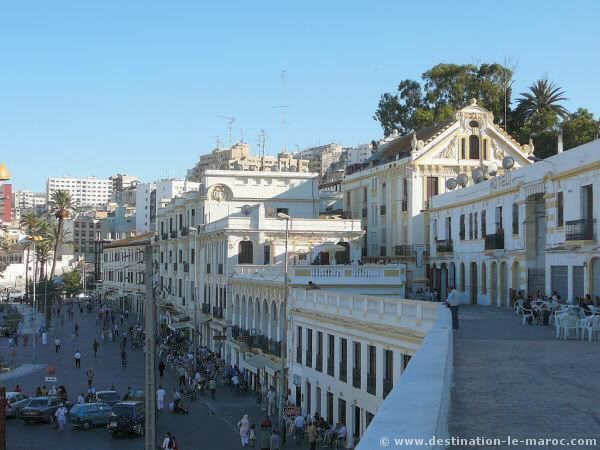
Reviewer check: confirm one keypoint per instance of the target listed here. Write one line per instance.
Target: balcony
(356, 378)
(404, 250)
(217, 312)
(371, 384)
(165, 236)
(580, 230)
(308, 358)
(495, 241)
(405, 205)
(382, 210)
(388, 385)
(319, 363)
(444, 246)
(185, 231)
(175, 267)
(205, 308)
(330, 366)
(344, 371)
(173, 234)
(166, 266)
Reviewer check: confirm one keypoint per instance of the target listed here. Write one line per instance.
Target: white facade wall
(89, 191)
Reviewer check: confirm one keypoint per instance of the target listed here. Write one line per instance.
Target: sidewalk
(28, 314)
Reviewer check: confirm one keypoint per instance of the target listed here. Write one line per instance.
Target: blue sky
(99, 87)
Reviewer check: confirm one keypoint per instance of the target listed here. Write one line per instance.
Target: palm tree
(28, 223)
(43, 247)
(61, 205)
(543, 96)
(3, 241)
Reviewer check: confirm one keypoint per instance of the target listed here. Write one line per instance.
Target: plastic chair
(519, 306)
(591, 326)
(566, 326)
(528, 313)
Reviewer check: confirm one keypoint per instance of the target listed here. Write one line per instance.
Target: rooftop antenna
(218, 142)
(283, 108)
(230, 121)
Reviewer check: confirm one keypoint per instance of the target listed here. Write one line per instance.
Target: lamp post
(283, 316)
(195, 335)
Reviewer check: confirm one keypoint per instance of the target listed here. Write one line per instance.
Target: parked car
(14, 402)
(127, 418)
(88, 415)
(109, 397)
(41, 409)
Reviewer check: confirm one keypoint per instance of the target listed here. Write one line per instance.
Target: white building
(28, 199)
(321, 158)
(89, 191)
(358, 154)
(151, 196)
(534, 228)
(123, 271)
(391, 193)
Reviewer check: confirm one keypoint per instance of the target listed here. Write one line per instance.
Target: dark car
(109, 397)
(41, 409)
(127, 418)
(14, 402)
(88, 415)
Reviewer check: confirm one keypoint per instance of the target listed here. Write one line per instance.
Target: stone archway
(494, 284)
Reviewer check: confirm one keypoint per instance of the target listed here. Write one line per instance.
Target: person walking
(161, 368)
(167, 441)
(244, 426)
(77, 360)
(160, 397)
(312, 436)
(275, 441)
(56, 344)
(95, 346)
(299, 428)
(61, 417)
(44, 338)
(90, 376)
(181, 373)
(212, 387)
(453, 303)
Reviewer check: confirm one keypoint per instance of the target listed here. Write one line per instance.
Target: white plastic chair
(566, 326)
(519, 306)
(591, 326)
(528, 313)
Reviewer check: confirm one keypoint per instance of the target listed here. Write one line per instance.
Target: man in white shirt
(453, 302)
(160, 397)
(299, 424)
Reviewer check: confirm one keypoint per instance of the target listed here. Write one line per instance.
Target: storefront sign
(291, 411)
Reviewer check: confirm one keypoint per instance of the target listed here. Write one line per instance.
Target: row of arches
(261, 315)
(478, 279)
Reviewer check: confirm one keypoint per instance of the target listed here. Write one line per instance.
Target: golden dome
(4, 173)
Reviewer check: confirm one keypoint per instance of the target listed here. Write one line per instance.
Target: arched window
(473, 147)
(461, 286)
(483, 279)
(245, 253)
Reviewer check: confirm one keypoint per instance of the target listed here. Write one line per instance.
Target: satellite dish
(462, 179)
(508, 163)
(246, 210)
(492, 169)
(477, 175)
(450, 184)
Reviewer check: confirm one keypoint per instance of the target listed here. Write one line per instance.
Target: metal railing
(444, 245)
(404, 205)
(404, 250)
(580, 230)
(495, 241)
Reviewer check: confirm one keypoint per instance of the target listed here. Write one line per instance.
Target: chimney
(560, 141)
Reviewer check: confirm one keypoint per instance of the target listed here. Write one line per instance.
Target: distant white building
(90, 191)
(150, 196)
(358, 154)
(26, 201)
(321, 158)
(533, 228)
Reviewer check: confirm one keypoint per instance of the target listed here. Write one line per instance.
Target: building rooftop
(140, 239)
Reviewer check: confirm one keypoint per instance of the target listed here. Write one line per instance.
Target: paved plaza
(520, 381)
(210, 424)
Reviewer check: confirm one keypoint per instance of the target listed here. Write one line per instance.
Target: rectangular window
(283, 210)
(356, 367)
(463, 148)
(388, 368)
(483, 224)
(475, 227)
(319, 364)
(461, 231)
(515, 218)
(309, 347)
(485, 149)
(470, 225)
(371, 369)
(330, 354)
(499, 222)
(193, 256)
(343, 360)
(299, 345)
(432, 187)
(364, 195)
(267, 255)
(560, 219)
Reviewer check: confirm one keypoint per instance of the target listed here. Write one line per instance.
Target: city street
(210, 424)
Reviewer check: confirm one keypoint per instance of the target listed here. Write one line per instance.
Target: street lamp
(195, 336)
(283, 316)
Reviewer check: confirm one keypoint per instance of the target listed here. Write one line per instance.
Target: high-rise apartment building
(5, 203)
(89, 191)
(321, 158)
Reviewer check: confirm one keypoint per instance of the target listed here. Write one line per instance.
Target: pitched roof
(402, 145)
(140, 239)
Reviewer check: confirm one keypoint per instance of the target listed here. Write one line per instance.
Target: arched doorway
(452, 275)
(343, 257)
(444, 286)
(461, 285)
(473, 277)
(503, 284)
(494, 284)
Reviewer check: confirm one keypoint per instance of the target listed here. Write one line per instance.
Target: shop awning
(258, 362)
(180, 326)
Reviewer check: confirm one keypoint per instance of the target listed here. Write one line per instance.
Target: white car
(14, 402)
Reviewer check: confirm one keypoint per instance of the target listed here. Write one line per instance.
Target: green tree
(62, 205)
(445, 88)
(72, 282)
(580, 128)
(28, 223)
